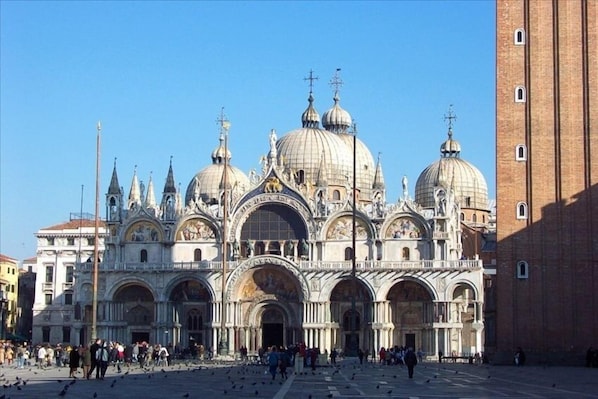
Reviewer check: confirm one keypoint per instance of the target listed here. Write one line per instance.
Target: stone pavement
(348, 380)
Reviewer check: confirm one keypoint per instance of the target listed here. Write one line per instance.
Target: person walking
(410, 360)
(273, 359)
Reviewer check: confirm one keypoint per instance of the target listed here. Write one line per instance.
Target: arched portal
(350, 310)
(411, 309)
(133, 304)
(463, 313)
(272, 325)
(191, 306)
(270, 302)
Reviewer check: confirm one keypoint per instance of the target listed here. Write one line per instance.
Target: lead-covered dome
(208, 183)
(471, 190)
(336, 119)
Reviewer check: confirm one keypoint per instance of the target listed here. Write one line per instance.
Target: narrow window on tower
(519, 37)
(519, 94)
(522, 269)
(522, 210)
(520, 153)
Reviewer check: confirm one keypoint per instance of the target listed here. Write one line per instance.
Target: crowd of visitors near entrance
(87, 361)
(92, 361)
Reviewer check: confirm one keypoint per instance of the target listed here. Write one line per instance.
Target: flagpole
(223, 344)
(94, 303)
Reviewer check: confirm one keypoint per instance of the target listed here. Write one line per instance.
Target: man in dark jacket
(410, 361)
(94, 365)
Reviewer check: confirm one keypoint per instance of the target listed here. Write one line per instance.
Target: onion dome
(207, 184)
(450, 171)
(303, 149)
(310, 117)
(336, 119)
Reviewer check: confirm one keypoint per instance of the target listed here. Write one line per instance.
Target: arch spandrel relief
(404, 227)
(342, 229)
(195, 230)
(143, 232)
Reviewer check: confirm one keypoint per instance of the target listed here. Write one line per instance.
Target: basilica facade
(307, 249)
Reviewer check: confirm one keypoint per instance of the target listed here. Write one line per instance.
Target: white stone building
(285, 249)
(59, 248)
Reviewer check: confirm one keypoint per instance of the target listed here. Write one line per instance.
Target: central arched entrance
(273, 327)
(269, 300)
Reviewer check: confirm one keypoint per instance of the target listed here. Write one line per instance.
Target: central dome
(304, 149)
(309, 148)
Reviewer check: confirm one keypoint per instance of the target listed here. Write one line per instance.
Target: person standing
(102, 357)
(41, 357)
(86, 361)
(74, 359)
(410, 360)
(519, 357)
(93, 350)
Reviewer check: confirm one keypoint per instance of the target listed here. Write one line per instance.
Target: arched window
(522, 269)
(300, 176)
(197, 255)
(462, 217)
(520, 152)
(405, 254)
(348, 253)
(474, 218)
(336, 195)
(143, 256)
(519, 37)
(194, 320)
(347, 321)
(519, 94)
(521, 210)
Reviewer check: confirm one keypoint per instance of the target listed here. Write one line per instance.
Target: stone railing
(368, 265)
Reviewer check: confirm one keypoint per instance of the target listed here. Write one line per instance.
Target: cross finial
(171, 160)
(311, 79)
(336, 80)
(450, 116)
(115, 162)
(223, 120)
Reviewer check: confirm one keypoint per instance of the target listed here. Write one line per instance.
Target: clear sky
(158, 73)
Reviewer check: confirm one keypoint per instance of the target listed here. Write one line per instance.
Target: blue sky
(158, 73)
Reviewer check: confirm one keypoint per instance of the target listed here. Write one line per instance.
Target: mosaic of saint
(408, 291)
(268, 281)
(342, 228)
(346, 290)
(403, 228)
(141, 232)
(190, 291)
(195, 230)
